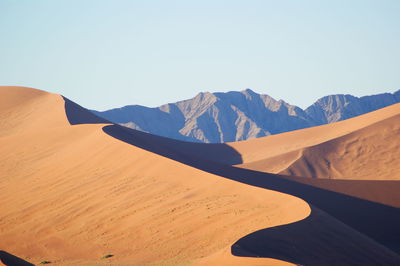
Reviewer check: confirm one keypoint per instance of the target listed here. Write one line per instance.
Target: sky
(106, 54)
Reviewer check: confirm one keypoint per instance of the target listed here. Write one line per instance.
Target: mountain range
(240, 115)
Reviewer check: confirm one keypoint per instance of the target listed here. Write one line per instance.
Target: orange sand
(71, 193)
(364, 147)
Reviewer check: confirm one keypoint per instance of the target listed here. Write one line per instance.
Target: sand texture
(364, 147)
(74, 187)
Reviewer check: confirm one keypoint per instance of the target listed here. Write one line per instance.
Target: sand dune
(365, 147)
(74, 188)
(261, 148)
(369, 153)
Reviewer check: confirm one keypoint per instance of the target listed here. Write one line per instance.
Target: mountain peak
(248, 90)
(204, 95)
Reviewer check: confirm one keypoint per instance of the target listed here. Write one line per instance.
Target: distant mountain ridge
(240, 115)
(338, 107)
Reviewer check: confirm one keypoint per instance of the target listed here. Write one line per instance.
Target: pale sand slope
(71, 194)
(364, 147)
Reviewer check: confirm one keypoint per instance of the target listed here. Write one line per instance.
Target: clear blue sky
(105, 54)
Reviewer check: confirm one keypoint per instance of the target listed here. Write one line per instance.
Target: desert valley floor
(75, 187)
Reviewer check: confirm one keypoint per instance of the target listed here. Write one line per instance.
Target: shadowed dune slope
(9, 259)
(73, 193)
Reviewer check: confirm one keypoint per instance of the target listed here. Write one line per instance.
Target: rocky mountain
(338, 107)
(233, 116)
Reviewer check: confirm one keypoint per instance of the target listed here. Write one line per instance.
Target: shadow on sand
(78, 115)
(221, 153)
(297, 242)
(11, 260)
(378, 221)
(317, 240)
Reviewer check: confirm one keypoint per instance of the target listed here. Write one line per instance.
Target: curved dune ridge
(74, 188)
